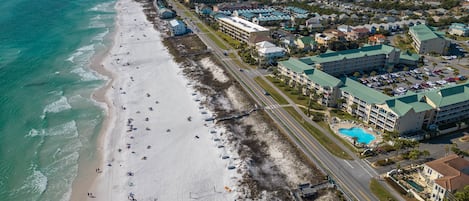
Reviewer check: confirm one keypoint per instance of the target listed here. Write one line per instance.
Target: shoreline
(86, 177)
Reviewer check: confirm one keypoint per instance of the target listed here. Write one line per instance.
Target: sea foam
(85, 75)
(66, 129)
(35, 182)
(57, 106)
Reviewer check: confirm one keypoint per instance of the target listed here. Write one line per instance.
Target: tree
(463, 194)
(354, 138)
(373, 73)
(356, 74)
(405, 68)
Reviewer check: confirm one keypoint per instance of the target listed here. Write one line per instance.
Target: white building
(445, 176)
(268, 52)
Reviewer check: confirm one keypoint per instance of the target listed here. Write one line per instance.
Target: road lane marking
(348, 163)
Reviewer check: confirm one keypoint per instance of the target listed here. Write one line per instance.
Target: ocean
(48, 122)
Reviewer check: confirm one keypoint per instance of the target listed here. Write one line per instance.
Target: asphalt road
(352, 176)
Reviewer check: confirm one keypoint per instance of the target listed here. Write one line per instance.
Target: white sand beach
(157, 145)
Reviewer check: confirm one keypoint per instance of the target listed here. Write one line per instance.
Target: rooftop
(243, 24)
(423, 32)
(369, 95)
(449, 95)
(348, 54)
(317, 76)
(454, 170)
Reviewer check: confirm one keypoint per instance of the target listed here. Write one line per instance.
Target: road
(352, 176)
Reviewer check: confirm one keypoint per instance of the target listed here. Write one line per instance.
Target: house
(322, 39)
(203, 9)
(459, 29)
(165, 13)
(344, 28)
(288, 42)
(377, 39)
(306, 43)
(426, 40)
(358, 33)
(268, 52)
(177, 27)
(445, 176)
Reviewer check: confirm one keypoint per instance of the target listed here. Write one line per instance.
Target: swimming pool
(363, 137)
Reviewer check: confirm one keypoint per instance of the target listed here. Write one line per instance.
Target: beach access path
(151, 150)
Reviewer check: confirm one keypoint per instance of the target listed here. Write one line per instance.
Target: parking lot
(437, 72)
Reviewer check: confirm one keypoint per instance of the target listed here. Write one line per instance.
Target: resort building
(241, 29)
(323, 85)
(425, 40)
(445, 176)
(459, 29)
(404, 114)
(268, 52)
(367, 58)
(177, 27)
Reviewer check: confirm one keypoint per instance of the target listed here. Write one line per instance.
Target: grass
(342, 115)
(325, 141)
(404, 43)
(294, 94)
(234, 43)
(211, 36)
(276, 96)
(380, 191)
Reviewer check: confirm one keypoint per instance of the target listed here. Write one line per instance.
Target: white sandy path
(178, 166)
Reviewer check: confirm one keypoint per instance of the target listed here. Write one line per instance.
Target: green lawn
(342, 115)
(380, 191)
(320, 137)
(276, 96)
(211, 36)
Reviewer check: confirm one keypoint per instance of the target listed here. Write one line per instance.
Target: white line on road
(348, 163)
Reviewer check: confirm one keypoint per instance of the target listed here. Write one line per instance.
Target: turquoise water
(414, 185)
(48, 123)
(363, 137)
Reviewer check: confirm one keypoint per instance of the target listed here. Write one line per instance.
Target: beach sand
(156, 144)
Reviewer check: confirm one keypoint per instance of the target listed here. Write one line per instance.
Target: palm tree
(373, 73)
(354, 138)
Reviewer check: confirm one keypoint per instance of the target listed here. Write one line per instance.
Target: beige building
(426, 40)
(404, 114)
(445, 176)
(242, 30)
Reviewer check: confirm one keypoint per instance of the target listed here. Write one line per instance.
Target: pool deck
(350, 124)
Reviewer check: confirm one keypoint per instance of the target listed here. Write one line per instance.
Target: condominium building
(459, 29)
(313, 80)
(241, 29)
(367, 58)
(445, 176)
(405, 114)
(426, 40)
